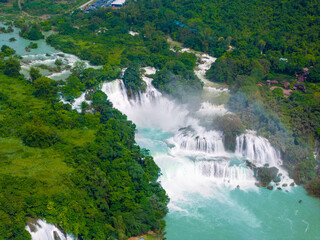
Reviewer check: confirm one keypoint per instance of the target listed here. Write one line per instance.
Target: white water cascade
(190, 140)
(41, 230)
(147, 109)
(212, 191)
(192, 158)
(201, 151)
(257, 150)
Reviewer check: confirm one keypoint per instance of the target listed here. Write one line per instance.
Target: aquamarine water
(20, 44)
(230, 213)
(43, 55)
(202, 182)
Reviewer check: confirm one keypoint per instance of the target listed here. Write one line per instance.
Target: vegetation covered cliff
(80, 171)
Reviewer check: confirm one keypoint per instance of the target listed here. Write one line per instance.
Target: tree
(132, 79)
(8, 51)
(32, 33)
(78, 69)
(34, 73)
(45, 88)
(231, 126)
(73, 88)
(314, 75)
(12, 67)
(36, 134)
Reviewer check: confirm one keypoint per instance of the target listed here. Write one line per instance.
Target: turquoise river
(212, 191)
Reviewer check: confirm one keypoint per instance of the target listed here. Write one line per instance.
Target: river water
(212, 191)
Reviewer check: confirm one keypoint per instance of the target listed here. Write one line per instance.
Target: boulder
(279, 188)
(292, 184)
(265, 175)
(302, 87)
(270, 187)
(56, 236)
(284, 185)
(33, 224)
(277, 179)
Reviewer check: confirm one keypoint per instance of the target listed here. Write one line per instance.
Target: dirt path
(19, 4)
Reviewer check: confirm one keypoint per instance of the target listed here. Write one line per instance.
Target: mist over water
(212, 192)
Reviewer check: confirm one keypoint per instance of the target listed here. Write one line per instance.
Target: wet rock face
(33, 224)
(265, 175)
(56, 236)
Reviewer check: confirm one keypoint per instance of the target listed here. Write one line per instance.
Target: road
(82, 6)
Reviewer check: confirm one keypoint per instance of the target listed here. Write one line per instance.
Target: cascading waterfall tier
(41, 230)
(148, 109)
(257, 150)
(189, 139)
(226, 171)
(203, 148)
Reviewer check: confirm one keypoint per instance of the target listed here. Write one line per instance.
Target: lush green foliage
(31, 32)
(38, 7)
(183, 85)
(132, 79)
(7, 51)
(231, 126)
(82, 172)
(34, 73)
(11, 67)
(102, 38)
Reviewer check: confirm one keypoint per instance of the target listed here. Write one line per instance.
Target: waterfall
(41, 230)
(210, 142)
(200, 152)
(148, 109)
(257, 150)
(225, 171)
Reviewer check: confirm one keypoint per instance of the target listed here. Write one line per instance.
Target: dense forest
(80, 171)
(83, 157)
(39, 7)
(255, 53)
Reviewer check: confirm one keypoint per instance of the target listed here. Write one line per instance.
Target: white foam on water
(196, 161)
(41, 230)
(34, 60)
(257, 150)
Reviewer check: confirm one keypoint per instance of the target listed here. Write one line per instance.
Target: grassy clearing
(44, 165)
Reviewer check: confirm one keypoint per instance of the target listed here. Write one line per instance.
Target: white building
(118, 3)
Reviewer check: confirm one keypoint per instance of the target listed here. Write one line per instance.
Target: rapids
(212, 192)
(41, 230)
